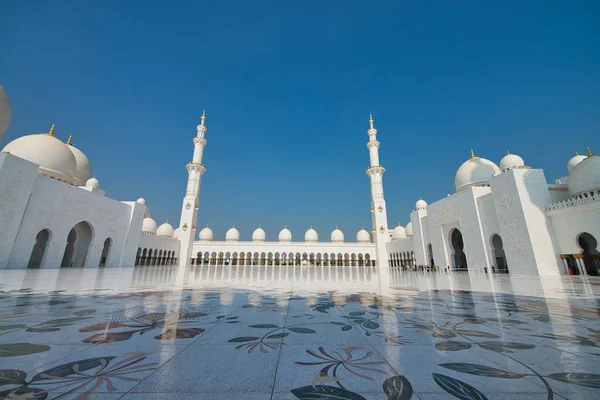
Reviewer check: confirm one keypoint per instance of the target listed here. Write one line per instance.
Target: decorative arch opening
(498, 252)
(78, 243)
(589, 250)
(105, 252)
(430, 255)
(38, 252)
(459, 258)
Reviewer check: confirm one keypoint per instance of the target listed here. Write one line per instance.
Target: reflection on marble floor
(224, 332)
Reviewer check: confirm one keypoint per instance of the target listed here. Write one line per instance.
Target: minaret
(191, 201)
(378, 209)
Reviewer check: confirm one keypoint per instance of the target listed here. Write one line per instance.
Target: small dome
(206, 234)
(574, 161)
(311, 236)
(408, 229)
(93, 183)
(232, 235)
(421, 204)
(149, 226)
(337, 236)
(511, 161)
(83, 168)
(5, 111)
(53, 156)
(141, 200)
(176, 233)
(399, 232)
(363, 236)
(285, 235)
(259, 235)
(165, 230)
(585, 176)
(475, 171)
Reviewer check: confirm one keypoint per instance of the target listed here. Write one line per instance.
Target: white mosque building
(504, 217)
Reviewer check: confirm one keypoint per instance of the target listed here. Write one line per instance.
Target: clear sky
(288, 87)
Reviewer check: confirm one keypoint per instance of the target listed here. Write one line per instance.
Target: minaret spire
(70, 140)
(191, 200)
(51, 131)
(378, 208)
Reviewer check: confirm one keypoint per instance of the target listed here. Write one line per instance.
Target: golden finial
(472, 154)
(233, 226)
(576, 153)
(589, 152)
(371, 118)
(70, 140)
(310, 226)
(203, 117)
(167, 221)
(336, 227)
(507, 152)
(284, 226)
(51, 131)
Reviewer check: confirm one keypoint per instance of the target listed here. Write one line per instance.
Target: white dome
(206, 234)
(399, 232)
(93, 183)
(285, 235)
(53, 156)
(232, 235)
(585, 176)
(475, 171)
(5, 111)
(421, 204)
(511, 161)
(337, 236)
(141, 200)
(149, 226)
(83, 168)
(311, 236)
(259, 235)
(574, 161)
(408, 229)
(176, 233)
(165, 230)
(363, 236)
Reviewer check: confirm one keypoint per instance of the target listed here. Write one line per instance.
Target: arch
(459, 257)
(138, 256)
(227, 258)
(589, 249)
(155, 256)
(220, 258)
(78, 244)
(38, 253)
(234, 258)
(255, 259)
(213, 258)
(361, 262)
(367, 260)
(340, 259)
(105, 252)
(430, 255)
(498, 254)
(143, 259)
(206, 257)
(311, 259)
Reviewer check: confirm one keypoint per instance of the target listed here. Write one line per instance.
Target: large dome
(149, 226)
(337, 236)
(399, 232)
(83, 168)
(576, 159)
(232, 235)
(5, 111)
(206, 234)
(165, 230)
(311, 236)
(585, 176)
(259, 235)
(285, 235)
(408, 229)
(363, 236)
(53, 156)
(474, 172)
(511, 161)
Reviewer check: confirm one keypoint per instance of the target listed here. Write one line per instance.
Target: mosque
(502, 218)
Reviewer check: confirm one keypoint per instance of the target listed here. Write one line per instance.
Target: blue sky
(288, 87)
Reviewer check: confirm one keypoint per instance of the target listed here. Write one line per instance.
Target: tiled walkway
(297, 332)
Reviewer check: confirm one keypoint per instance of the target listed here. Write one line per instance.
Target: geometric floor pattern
(227, 332)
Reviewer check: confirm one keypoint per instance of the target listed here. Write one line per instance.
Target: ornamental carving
(516, 241)
(188, 206)
(449, 213)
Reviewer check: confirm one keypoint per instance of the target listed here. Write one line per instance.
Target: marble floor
(233, 332)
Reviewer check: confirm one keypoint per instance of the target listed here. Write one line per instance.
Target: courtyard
(256, 332)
